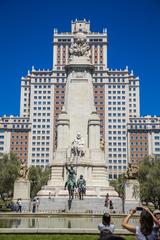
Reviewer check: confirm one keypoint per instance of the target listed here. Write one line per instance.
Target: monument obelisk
(78, 129)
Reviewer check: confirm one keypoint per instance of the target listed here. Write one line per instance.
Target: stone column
(94, 131)
(62, 130)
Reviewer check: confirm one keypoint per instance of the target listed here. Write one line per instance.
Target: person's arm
(128, 226)
(154, 218)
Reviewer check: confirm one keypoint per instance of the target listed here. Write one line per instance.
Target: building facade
(143, 138)
(116, 97)
(14, 136)
(116, 94)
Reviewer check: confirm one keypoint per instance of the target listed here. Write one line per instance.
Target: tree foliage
(119, 186)
(38, 178)
(149, 179)
(9, 168)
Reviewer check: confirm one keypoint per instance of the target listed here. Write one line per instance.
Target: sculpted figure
(23, 172)
(102, 144)
(80, 46)
(132, 171)
(77, 148)
(71, 175)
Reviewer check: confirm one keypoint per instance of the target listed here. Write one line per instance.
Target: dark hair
(106, 219)
(146, 222)
(111, 237)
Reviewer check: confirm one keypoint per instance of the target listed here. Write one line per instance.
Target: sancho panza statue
(80, 47)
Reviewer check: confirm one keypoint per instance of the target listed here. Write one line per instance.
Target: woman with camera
(145, 230)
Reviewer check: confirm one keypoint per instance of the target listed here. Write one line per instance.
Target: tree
(38, 178)
(149, 180)
(119, 186)
(9, 168)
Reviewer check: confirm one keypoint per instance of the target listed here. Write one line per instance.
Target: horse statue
(81, 184)
(71, 188)
(71, 182)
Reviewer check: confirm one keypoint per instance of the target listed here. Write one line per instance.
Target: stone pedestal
(22, 189)
(132, 198)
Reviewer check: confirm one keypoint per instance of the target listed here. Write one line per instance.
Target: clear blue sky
(26, 29)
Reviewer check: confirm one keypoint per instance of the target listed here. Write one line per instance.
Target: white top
(140, 236)
(110, 227)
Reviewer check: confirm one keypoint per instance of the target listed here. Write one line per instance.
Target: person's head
(106, 219)
(146, 222)
(71, 166)
(78, 135)
(81, 176)
(157, 213)
(110, 237)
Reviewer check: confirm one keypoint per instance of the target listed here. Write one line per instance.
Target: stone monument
(132, 198)
(78, 129)
(22, 184)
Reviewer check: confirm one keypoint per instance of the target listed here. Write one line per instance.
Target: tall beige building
(143, 138)
(116, 97)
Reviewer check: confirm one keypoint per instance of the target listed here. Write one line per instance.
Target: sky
(26, 33)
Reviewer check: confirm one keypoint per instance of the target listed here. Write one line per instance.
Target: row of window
(117, 155)
(116, 92)
(139, 155)
(42, 97)
(42, 92)
(39, 102)
(116, 86)
(117, 138)
(41, 108)
(157, 149)
(41, 114)
(157, 137)
(116, 103)
(41, 132)
(40, 149)
(117, 143)
(41, 137)
(20, 149)
(40, 80)
(116, 108)
(142, 126)
(117, 132)
(138, 137)
(19, 143)
(117, 161)
(40, 155)
(141, 143)
(117, 149)
(117, 167)
(40, 160)
(41, 120)
(41, 126)
(117, 120)
(139, 149)
(116, 114)
(117, 126)
(40, 143)
(116, 97)
(42, 86)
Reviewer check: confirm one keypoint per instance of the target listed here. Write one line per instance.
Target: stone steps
(88, 205)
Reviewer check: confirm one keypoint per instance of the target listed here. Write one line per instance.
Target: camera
(139, 209)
